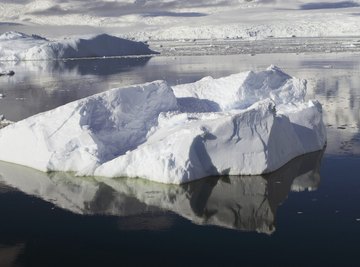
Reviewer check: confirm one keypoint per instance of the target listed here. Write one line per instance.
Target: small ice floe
(2, 96)
(299, 212)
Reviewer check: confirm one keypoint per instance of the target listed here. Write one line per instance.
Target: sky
(186, 8)
(119, 8)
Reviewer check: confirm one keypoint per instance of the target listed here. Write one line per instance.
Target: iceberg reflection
(247, 203)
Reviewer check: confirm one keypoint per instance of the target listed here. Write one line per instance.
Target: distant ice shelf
(244, 124)
(16, 46)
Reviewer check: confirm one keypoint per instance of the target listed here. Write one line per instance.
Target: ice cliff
(248, 123)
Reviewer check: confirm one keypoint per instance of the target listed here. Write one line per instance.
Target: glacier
(16, 46)
(245, 124)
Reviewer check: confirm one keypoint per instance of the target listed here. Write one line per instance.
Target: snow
(15, 46)
(248, 123)
(245, 89)
(84, 133)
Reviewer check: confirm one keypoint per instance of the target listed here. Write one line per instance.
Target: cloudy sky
(119, 8)
(186, 8)
(116, 13)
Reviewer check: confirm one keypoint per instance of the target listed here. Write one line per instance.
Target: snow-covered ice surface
(247, 203)
(15, 46)
(247, 123)
(93, 130)
(297, 45)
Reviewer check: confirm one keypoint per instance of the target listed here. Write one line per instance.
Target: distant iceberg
(245, 124)
(15, 46)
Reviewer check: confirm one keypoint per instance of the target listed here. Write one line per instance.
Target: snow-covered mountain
(169, 19)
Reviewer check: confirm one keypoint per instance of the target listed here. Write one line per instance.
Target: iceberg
(16, 46)
(246, 124)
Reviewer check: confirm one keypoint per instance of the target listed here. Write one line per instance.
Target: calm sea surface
(305, 214)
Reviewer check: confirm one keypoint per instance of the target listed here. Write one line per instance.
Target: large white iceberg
(248, 123)
(15, 46)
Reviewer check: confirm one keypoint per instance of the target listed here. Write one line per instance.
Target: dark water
(305, 214)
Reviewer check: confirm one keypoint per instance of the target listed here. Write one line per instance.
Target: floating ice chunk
(249, 123)
(18, 46)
